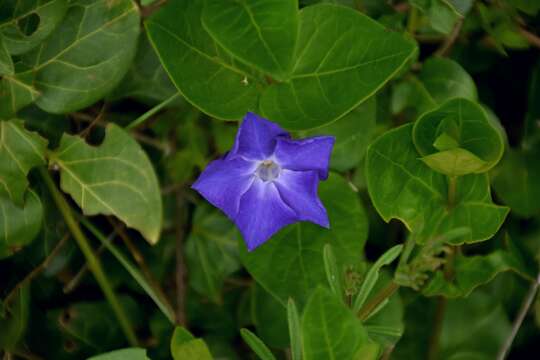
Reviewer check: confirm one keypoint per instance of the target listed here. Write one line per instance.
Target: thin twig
(152, 142)
(180, 261)
(37, 270)
(76, 280)
(533, 39)
(98, 119)
(527, 302)
(383, 294)
(450, 40)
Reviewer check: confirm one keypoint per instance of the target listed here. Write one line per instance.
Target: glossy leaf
(401, 186)
(131, 354)
(114, 178)
(16, 91)
(260, 33)
(211, 251)
(471, 272)
(86, 56)
(19, 224)
(481, 144)
(291, 265)
(205, 75)
(342, 58)
(329, 329)
(20, 151)
(28, 22)
(256, 345)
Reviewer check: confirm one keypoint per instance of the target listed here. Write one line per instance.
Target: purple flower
(268, 180)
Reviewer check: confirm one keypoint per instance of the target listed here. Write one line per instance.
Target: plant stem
(527, 302)
(412, 21)
(93, 262)
(433, 347)
(181, 318)
(452, 184)
(138, 121)
(382, 295)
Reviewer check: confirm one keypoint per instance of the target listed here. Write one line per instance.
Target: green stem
(407, 250)
(412, 21)
(93, 261)
(452, 184)
(138, 121)
(433, 346)
(382, 295)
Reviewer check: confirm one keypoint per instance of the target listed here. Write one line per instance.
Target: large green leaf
(329, 329)
(114, 178)
(207, 77)
(291, 263)
(6, 63)
(123, 354)
(269, 317)
(342, 58)
(24, 24)
(20, 150)
(471, 272)
(401, 186)
(261, 33)
(353, 133)
(16, 91)
(86, 56)
(211, 251)
(458, 138)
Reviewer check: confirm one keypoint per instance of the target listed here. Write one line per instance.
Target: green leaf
(480, 140)
(342, 58)
(353, 133)
(401, 186)
(28, 22)
(373, 275)
(445, 79)
(295, 331)
(211, 251)
(330, 330)
(291, 263)
(19, 225)
(123, 354)
(269, 317)
(15, 321)
(6, 64)
(332, 271)
(185, 346)
(205, 75)
(16, 91)
(516, 181)
(256, 345)
(260, 33)
(86, 56)
(471, 272)
(20, 151)
(114, 178)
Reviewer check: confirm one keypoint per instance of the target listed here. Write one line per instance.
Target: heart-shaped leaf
(202, 71)
(86, 56)
(291, 263)
(20, 150)
(342, 58)
(260, 33)
(131, 353)
(403, 187)
(114, 178)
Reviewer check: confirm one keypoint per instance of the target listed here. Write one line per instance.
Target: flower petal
(305, 154)
(262, 213)
(256, 138)
(223, 183)
(299, 190)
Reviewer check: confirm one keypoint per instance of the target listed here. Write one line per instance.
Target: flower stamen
(268, 170)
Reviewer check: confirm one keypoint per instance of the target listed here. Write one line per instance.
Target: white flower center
(268, 170)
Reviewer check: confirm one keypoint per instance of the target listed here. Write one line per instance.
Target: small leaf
(342, 58)
(260, 33)
(332, 271)
(295, 331)
(123, 354)
(86, 56)
(20, 151)
(16, 91)
(6, 64)
(479, 139)
(184, 346)
(15, 321)
(291, 263)
(114, 178)
(204, 73)
(19, 225)
(445, 142)
(256, 345)
(330, 330)
(373, 275)
(401, 186)
(30, 22)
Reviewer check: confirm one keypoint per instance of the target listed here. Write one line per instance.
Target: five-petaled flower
(268, 180)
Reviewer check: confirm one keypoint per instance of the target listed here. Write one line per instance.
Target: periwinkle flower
(268, 180)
